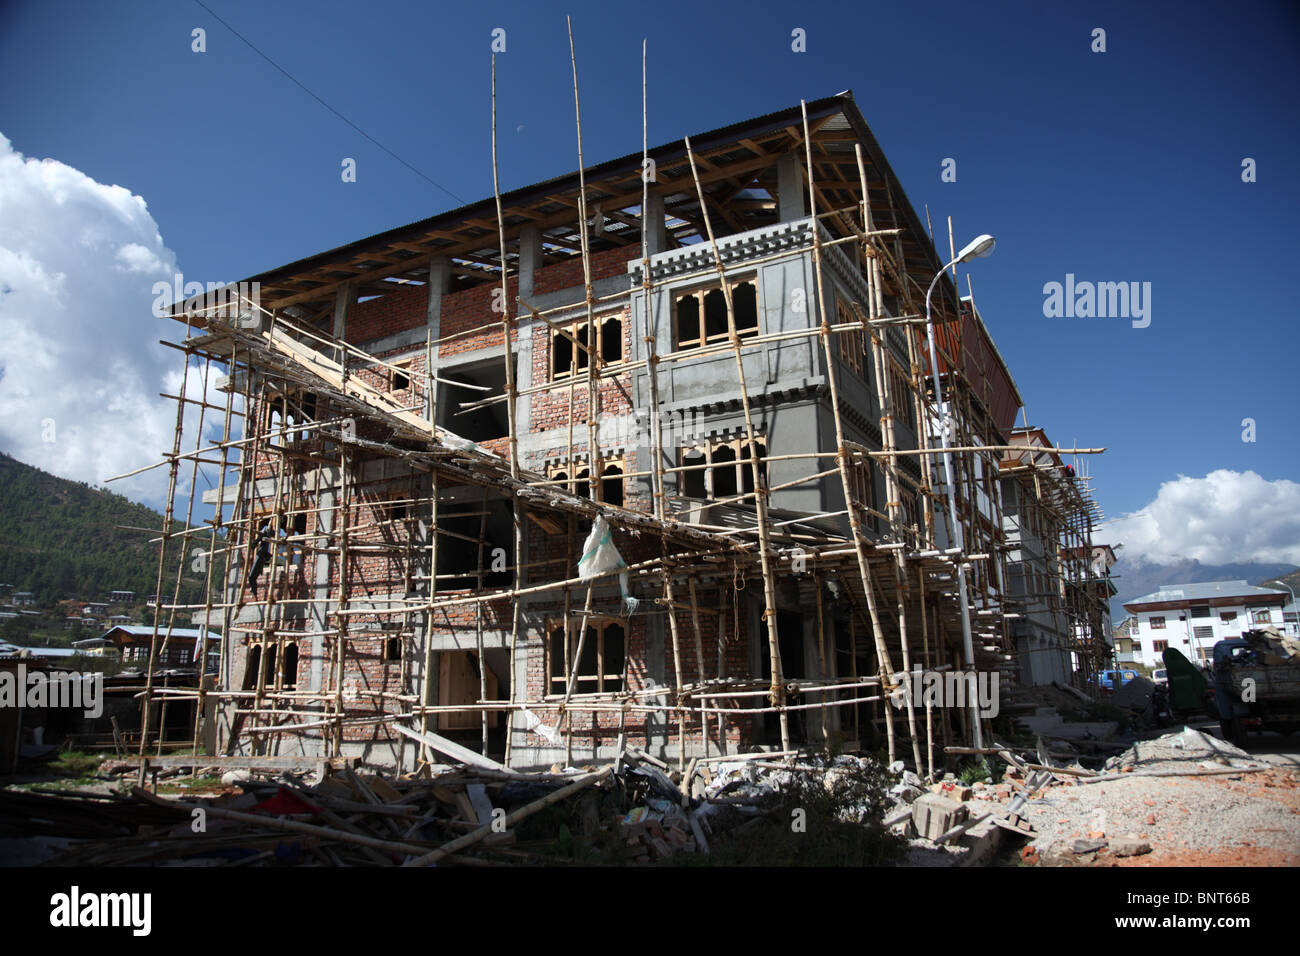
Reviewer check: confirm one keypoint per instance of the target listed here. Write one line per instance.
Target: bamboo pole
(168, 514)
(864, 569)
(760, 481)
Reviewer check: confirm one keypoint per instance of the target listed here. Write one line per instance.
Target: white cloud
(1223, 518)
(80, 365)
(137, 258)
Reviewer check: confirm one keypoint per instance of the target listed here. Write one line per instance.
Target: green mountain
(62, 539)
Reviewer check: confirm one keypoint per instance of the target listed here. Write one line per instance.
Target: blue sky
(1115, 166)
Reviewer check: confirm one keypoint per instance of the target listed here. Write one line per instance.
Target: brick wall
(406, 307)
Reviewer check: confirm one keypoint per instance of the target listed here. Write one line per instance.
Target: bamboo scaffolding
(902, 577)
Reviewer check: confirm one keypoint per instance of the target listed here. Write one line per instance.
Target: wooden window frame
(385, 650)
(292, 404)
(901, 394)
(568, 471)
(862, 488)
(1159, 647)
(572, 328)
(851, 346)
(270, 672)
(401, 368)
(1154, 626)
(555, 686)
(700, 293)
(741, 463)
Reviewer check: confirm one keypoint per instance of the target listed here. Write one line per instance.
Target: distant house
(1125, 640)
(121, 619)
(96, 647)
(98, 611)
(1192, 618)
(121, 597)
(132, 642)
(24, 598)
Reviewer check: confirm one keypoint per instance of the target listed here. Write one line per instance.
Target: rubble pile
(1178, 791)
(1178, 751)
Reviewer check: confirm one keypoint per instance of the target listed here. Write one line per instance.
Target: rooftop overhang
(737, 166)
(1183, 604)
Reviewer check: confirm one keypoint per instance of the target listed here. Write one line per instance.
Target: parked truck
(1256, 685)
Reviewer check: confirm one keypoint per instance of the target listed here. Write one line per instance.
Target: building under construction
(654, 451)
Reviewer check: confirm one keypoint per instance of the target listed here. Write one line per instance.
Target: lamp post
(1293, 602)
(978, 248)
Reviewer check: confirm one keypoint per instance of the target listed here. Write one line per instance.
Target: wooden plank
(466, 808)
(482, 805)
(469, 839)
(454, 750)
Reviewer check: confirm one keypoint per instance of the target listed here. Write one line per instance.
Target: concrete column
(342, 299)
(439, 283)
(652, 218)
(318, 611)
(791, 190)
(530, 260)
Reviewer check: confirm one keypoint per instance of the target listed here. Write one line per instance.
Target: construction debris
(630, 811)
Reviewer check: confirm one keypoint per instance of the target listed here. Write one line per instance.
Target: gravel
(1259, 809)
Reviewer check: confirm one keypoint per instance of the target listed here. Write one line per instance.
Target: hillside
(61, 539)
(1280, 582)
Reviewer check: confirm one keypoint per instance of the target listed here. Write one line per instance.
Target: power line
(249, 43)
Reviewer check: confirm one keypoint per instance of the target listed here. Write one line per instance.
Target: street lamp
(978, 248)
(1293, 602)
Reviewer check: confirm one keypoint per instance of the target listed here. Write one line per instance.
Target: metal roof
(323, 271)
(1204, 591)
(146, 630)
(14, 650)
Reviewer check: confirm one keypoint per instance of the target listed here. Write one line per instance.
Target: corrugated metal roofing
(1204, 591)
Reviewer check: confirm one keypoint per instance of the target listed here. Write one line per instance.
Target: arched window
(724, 472)
(290, 666)
(252, 662)
(611, 485)
(710, 304)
